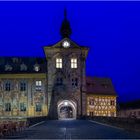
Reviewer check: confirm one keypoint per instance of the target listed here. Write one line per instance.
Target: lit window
(7, 106)
(36, 67)
(91, 102)
(22, 107)
(73, 63)
(38, 85)
(58, 62)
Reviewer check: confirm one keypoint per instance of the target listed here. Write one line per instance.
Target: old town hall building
(54, 86)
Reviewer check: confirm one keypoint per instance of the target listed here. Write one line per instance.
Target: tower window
(59, 81)
(58, 62)
(73, 63)
(7, 106)
(7, 86)
(75, 82)
(38, 85)
(22, 86)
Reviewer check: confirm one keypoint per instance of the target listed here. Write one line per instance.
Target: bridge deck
(74, 129)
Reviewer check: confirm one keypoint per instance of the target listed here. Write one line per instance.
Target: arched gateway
(67, 109)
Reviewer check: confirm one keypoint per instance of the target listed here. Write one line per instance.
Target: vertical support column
(44, 90)
(30, 98)
(50, 79)
(84, 99)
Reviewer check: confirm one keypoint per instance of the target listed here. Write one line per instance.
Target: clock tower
(66, 76)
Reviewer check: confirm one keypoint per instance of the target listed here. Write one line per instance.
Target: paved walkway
(73, 129)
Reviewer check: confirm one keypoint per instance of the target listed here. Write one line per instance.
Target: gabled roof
(17, 65)
(99, 86)
(72, 44)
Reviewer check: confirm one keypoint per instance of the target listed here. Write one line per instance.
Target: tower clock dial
(66, 44)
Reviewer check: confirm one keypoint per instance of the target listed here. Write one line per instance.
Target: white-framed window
(58, 62)
(38, 85)
(73, 63)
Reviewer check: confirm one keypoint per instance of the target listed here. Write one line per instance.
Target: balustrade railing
(10, 127)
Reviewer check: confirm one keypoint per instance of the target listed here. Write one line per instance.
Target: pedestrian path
(73, 129)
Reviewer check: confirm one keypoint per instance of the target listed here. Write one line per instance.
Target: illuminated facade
(101, 97)
(56, 85)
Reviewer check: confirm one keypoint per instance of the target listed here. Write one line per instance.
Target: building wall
(67, 90)
(31, 101)
(129, 113)
(99, 105)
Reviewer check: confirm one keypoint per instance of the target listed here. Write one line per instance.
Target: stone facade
(56, 85)
(66, 91)
(21, 97)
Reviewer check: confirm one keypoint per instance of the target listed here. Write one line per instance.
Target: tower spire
(65, 29)
(65, 14)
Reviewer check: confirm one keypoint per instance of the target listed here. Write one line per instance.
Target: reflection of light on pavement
(65, 103)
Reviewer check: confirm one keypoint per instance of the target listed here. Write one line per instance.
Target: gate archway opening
(67, 109)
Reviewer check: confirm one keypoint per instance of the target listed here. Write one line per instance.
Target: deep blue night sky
(110, 29)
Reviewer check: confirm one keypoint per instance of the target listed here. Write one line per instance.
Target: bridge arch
(67, 109)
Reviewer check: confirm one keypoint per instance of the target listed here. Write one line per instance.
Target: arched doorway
(66, 109)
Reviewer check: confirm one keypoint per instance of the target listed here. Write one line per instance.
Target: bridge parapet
(132, 124)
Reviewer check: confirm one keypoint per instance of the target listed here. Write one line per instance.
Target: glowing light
(65, 103)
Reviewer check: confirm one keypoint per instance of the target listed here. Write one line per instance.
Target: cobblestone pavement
(73, 129)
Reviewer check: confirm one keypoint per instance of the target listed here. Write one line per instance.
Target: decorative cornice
(31, 75)
(91, 94)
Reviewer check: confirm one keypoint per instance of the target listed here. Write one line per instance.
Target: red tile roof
(101, 86)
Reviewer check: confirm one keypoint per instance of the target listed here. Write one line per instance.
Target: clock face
(66, 44)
